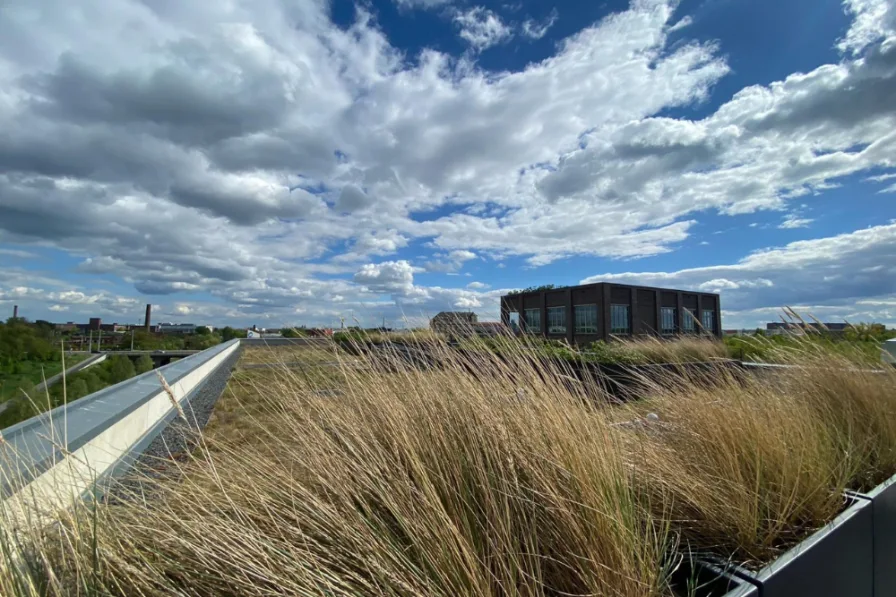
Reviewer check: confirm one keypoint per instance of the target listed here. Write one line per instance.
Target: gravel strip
(176, 441)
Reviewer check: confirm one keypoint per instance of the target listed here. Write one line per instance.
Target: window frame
(614, 330)
(595, 329)
(688, 321)
(712, 320)
(532, 329)
(670, 331)
(556, 330)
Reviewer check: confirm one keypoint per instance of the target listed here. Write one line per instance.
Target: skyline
(286, 163)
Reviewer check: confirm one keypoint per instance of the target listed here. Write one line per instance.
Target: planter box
(883, 507)
(835, 561)
(699, 578)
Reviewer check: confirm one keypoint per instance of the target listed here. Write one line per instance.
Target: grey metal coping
(29, 447)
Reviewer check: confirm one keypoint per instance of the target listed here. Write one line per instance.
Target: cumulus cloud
(481, 28)
(837, 271)
(259, 154)
(872, 21)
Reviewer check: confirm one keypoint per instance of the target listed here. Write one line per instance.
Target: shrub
(120, 368)
(77, 389)
(144, 363)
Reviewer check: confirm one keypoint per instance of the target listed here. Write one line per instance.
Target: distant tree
(94, 383)
(201, 342)
(203, 330)
(291, 333)
(120, 369)
(541, 288)
(77, 389)
(144, 364)
(866, 332)
(228, 333)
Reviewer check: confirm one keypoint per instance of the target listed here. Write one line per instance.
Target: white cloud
(196, 159)
(835, 272)
(872, 20)
(537, 29)
(793, 221)
(462, 255)
(686, 21)
(389, 276)
(477, 286)
(481, 28)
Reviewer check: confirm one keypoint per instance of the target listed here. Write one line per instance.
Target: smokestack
(15, 311)
(148, 317)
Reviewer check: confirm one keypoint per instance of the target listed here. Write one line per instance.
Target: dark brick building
(582, 314)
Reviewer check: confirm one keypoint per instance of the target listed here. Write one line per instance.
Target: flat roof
(666, 288)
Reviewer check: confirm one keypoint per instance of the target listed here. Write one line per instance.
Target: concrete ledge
(51, 460)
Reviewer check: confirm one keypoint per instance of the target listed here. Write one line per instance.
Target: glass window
(514, 318)
(586, 319)
(533, 320)
(688, 322)
(667, 320)
(556, 320)
(620, 322)
(708, 321)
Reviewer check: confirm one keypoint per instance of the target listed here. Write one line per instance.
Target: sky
(304, 162)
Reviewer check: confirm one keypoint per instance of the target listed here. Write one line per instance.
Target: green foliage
(152, 341)
(229, 333)
(78, 389)
(201, 342)
(768, 349)
(541, 288)
(292, 333)
(203, 330)
(22, 341)
(94, 381)
(868, 332)
(120, 368)
(144, 364)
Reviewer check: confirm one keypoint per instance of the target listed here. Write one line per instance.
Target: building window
(709, 317)
(514, 318)
(667, 320)
(556, 320)
(688, 322)
(586, 319)
(533, 320)
(620, 320)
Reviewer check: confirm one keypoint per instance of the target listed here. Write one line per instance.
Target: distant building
(601, 311)
(176, 328)
(95, 324)
(256, 333)
(453, 322)
(781, 326)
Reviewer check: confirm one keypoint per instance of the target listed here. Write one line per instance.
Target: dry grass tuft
(409, 482)
(473, 473)
(749, 470)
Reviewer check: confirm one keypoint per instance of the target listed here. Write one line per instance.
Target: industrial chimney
(148, 317)
(15, 311)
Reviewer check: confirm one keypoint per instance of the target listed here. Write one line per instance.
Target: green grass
(769, 349)
(27, 374)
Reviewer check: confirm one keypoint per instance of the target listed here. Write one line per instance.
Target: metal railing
(55, 457)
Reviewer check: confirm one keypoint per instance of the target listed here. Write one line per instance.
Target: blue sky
(299, 162)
